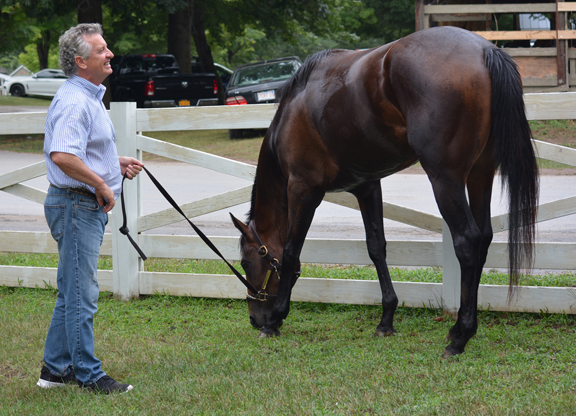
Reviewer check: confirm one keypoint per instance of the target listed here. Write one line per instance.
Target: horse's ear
(243, 228)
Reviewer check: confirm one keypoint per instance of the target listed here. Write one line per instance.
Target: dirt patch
(8, 373)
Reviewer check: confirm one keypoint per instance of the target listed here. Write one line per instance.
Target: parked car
(45, 83)
(257, 83)
(155, 80)
(4, 79)
(225, 73)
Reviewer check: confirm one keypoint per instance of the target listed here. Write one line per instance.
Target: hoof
(384, 333)
(268, 333)
(450, 352)
(447, 354)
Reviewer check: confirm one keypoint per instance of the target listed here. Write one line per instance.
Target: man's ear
(80, 62)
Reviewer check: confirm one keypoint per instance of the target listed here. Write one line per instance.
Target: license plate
(182, 103)
(266, 95)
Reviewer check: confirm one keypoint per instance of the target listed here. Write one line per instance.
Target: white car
(4, 79)
(45, 82)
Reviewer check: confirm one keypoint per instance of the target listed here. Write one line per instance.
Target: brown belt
(81, 191)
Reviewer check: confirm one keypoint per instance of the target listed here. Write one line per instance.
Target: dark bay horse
(445, 97)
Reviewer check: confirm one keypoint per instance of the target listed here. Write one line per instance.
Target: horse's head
(261, 265)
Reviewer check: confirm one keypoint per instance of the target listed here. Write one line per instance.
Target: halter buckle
(263, 251)
(261, 296)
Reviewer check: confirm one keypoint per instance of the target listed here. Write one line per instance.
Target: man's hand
(74, 167)
(105, 194)
(130, 166)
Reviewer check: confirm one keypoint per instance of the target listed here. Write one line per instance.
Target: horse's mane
(250, 215)
(301, 76)
(298, 81)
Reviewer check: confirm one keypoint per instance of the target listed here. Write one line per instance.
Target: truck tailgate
(185, 87)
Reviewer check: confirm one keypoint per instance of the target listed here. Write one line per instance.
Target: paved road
(187, 183)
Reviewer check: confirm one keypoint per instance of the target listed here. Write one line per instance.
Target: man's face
(97, 67)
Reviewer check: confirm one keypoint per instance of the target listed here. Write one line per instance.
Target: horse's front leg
(301, 207)
(369, 197)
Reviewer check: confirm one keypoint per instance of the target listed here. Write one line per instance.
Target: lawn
(25, 101)
(200, 356)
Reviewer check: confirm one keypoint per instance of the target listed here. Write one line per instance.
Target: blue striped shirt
(78, 123)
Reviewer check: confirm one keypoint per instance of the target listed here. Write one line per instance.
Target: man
(85, 175)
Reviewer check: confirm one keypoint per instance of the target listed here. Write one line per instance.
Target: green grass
(188, 356)
(25, 101)
(355, 272)
(561, 132)
(211, 141)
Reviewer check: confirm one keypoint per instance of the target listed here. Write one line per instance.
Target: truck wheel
(17, 90)
(235, 134)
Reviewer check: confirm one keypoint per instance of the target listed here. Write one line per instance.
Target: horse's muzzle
(255, 323)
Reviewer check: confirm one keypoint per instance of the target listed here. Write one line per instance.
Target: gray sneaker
(49, 380)
(107, 385)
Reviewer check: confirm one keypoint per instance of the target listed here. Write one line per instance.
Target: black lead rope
(124, 229)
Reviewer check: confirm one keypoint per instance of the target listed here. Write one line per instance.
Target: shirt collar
(94, 90)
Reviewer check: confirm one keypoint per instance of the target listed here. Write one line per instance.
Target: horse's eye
(245, 265)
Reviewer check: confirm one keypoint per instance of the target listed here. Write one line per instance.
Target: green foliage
(238, 31)
(9, 62)
(16, 28)
(136, 26)
(29, 58)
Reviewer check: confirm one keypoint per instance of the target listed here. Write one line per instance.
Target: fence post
(125, 260)
(450, 274)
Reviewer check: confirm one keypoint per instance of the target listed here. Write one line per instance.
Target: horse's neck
(270, 210)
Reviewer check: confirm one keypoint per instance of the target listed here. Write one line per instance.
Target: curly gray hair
(73, 44)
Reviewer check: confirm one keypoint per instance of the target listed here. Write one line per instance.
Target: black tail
(514, 154)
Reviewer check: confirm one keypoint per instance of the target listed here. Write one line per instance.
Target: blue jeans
(77, 224)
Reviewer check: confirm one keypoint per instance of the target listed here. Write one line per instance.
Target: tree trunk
(43, 48)
(202, 46)
(89, 11)
(180, 38)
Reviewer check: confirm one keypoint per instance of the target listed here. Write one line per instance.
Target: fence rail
(129, 122)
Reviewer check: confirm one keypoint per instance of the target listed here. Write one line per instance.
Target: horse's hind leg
(470, 245)
(479, 184)
(369, 197)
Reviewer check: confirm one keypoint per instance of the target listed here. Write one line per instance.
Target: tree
(44, 22)
(233, 31)
(180, 35)
(279, 19)
(16, 28)
(89, 11)
(382, 21)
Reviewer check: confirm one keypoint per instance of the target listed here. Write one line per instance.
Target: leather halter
(275, 266)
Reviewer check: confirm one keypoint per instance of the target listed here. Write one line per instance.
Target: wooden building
(546, 59)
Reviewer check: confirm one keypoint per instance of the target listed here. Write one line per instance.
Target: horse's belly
(353, 175)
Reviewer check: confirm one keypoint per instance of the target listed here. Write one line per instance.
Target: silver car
(45, 82)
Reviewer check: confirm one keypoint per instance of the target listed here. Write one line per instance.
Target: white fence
(128, 280)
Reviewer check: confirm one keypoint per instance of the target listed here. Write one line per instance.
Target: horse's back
(359, 112)
(443, 65)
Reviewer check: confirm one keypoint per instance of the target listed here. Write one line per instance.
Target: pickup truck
(156, 81)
